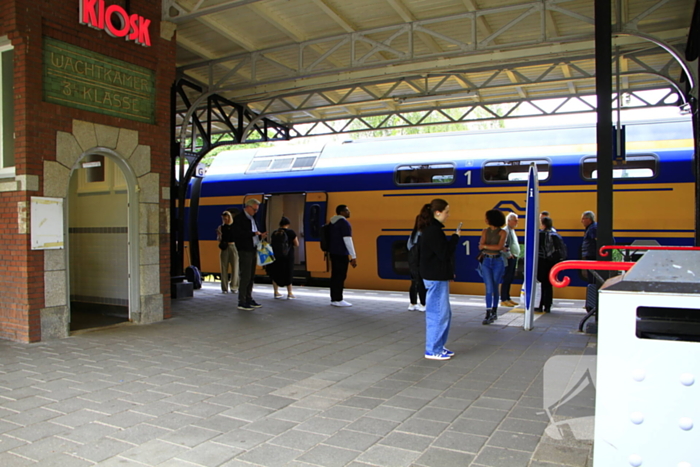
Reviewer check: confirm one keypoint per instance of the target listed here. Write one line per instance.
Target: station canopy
(277, 69)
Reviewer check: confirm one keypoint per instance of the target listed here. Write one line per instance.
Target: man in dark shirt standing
(590, 237)
(590, 240)
(247, 236)
(342, 253)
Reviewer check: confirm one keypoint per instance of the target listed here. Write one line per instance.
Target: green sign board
(86, 80)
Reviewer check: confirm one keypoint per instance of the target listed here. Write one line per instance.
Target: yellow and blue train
(386, 181)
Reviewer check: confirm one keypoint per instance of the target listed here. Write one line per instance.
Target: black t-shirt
(227, 232)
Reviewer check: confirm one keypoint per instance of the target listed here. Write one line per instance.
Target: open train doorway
(306, 213)
(98, 235)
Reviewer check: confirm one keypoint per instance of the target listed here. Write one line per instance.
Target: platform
(296, 383)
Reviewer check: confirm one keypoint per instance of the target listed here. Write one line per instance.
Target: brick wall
(26, 22)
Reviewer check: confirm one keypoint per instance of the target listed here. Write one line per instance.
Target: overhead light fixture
(433, 97)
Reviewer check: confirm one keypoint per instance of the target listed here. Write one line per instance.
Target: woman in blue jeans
(493, 239)
(437, 253)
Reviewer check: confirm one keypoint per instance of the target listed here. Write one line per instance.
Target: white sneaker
(341, 303)
(420, 308)
(412, 307)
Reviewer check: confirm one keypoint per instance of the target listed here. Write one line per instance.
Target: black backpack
(192, 275)
(554, 248)
(280, 243)
(326, 237)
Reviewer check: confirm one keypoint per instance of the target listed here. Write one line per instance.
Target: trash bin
(647, 410)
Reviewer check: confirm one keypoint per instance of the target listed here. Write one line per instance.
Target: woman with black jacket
(437, 270)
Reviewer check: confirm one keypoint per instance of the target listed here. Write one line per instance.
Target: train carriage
(386, 181)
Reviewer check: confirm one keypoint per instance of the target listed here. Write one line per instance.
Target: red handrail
(604, 253)
(582, 264)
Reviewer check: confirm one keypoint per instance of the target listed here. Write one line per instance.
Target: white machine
(647, 409)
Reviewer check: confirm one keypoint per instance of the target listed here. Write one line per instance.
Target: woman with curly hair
(493, 239)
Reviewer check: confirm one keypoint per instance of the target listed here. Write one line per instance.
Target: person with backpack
(417, 289)
(342, 253)
(552, 250)
(281, 271)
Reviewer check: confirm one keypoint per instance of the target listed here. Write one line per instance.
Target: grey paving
(295, 383)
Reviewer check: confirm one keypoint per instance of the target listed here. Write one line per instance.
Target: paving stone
(373, 426)
(270, 426)
(153, 452)
(518, 441)
(45, 447)
(12, 460)
(189, 436)
(528, 427)
(247, 412)
(388, 456)
(208, 454)
(138, 434)
(340, 412)
(296, 439)
(423, 427)
(408, 441)
(353, 440)
(561, 455)
(436, 457)
(437, 414)
(497, 457)
(102, 450)
(270, 455)
(321, 425)
(329, 456)
(242, 439)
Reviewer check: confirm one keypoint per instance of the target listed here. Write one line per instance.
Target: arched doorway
(99, 250)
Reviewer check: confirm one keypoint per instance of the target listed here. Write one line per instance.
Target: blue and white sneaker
(448, 352)
(441, 356)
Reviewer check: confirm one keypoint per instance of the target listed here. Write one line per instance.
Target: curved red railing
(603, 249)
(582, 264)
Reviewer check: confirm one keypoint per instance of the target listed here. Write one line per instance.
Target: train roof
(478, 145)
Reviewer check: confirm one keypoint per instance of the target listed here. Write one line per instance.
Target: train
(385, 181)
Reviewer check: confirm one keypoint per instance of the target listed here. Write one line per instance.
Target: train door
(315, 211)
(291, 206)
(306, 213)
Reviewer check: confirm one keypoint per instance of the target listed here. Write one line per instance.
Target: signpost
(532, 228)
(80, 78)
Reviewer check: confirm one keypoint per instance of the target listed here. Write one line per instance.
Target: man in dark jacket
(247, 236)
(589, 245)
(342, 253)
(551, 251)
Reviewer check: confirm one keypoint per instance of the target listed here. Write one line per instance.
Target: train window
(514, 170)
(259, 166)
(425, 174)
(641, 166)
(284, 163)
(304, 162)
(281, 165)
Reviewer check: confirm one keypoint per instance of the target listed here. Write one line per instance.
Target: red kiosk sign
(115, 21)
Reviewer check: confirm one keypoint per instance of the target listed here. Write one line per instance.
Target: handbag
(265, 254)
(223, 245)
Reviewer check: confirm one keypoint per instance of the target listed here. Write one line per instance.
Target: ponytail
(427, 213)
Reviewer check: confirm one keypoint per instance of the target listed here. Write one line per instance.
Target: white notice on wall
(47, 223)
